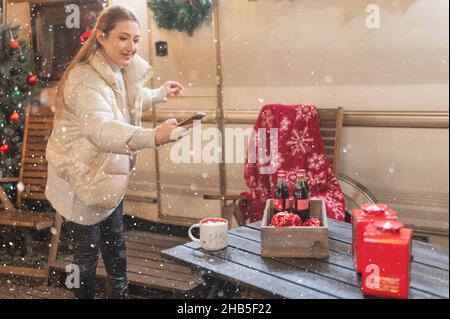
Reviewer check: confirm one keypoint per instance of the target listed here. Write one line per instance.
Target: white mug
(213, 233)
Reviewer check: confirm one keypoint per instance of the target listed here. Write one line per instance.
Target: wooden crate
(296, 241)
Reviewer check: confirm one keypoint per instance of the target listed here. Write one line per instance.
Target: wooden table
(240, 264)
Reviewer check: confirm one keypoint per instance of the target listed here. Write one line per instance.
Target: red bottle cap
(374, 208)
(390, 226)
(302, 172)
(282, 173)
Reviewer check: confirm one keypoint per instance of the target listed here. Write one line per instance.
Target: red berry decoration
(283, 219)
(32, 79)
(13, 44)
(4, 148)
(312, 222)
(14, 116)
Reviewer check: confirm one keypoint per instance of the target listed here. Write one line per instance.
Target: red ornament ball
(32, 79)
(14, 116)
(4, 148)
(283, 219)
(13, 44)
(312, 222)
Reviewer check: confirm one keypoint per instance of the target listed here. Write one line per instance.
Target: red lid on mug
(214, 220)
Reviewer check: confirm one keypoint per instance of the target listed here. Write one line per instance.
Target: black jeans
(107, 237)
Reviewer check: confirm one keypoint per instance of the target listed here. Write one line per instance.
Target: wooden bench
(32, 178)
(331, 123)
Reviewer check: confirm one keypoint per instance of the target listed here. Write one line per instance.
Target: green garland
(183, 15)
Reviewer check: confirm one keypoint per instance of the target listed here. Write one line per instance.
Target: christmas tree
(18, 83)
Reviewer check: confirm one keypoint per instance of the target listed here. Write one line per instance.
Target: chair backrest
(331, 121)
(33, 170)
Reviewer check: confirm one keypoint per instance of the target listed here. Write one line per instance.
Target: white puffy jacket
(95, 137)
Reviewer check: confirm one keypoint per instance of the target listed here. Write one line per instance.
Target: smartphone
(191, 119)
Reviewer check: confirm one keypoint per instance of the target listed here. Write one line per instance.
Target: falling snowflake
(300, 142)
(328, 79)
(391, 169)
(20, 187)
(316, 161)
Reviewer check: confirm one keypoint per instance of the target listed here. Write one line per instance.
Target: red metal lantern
(368, 213)
(386, 259)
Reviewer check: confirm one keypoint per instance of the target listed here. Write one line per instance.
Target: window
(56, 31)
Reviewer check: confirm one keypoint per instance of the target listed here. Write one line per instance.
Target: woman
(96, 135)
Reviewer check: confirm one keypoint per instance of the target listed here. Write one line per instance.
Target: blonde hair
(107, 21)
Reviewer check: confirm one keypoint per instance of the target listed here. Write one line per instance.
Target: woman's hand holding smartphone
(170, 130)
(190, 121)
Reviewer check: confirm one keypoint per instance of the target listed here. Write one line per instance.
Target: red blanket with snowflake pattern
(300, 146)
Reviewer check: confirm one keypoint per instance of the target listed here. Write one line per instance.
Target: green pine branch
(180, 14)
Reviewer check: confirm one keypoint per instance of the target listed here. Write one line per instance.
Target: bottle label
(279, 204)
(302, 204)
